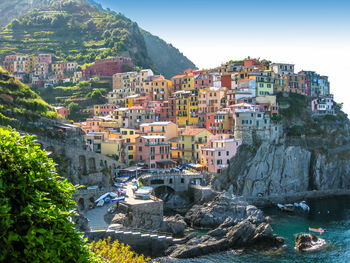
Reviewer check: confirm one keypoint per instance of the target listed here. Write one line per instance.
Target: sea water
(333, 214)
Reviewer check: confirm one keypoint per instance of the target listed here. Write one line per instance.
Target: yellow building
(190, 143)
(160, 88)
(265, 83)
(166, 128)
(118, 115)
(129, 136)
(112, 147)
(186, 108)
(30, 64)
(129, 100)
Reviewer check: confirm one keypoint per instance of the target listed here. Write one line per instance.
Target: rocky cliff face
(291, 166)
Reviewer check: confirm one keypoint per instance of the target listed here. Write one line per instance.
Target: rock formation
(245, 235)
(293, 165)
(224, 206)
(308, 242)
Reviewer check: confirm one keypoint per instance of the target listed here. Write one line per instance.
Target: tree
(74, 110)
(35, 206)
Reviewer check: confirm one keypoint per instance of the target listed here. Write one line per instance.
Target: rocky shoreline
(234, 224)
(272, 200)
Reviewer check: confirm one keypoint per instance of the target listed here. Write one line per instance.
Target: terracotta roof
(190, 131)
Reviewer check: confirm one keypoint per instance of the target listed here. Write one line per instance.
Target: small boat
(318, 230)
(304, 206)
(286, 207)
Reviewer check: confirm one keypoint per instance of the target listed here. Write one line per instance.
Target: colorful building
(160, 88)
(154, 152)
(186, 108)
(216, 155)
(106, 67)
(190, 143)
(63, 111)
(219, 122)
(265, 83)
(167, 129)
(104, 109)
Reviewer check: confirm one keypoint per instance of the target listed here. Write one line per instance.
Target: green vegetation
(297, 105)
(36, 210)
(35, 206)
(74, 30)
(19, 102)
(84, 93)
(116, 252)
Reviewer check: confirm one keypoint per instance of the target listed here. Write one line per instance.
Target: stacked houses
(199, 117)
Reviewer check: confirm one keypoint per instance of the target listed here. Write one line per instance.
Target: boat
(318, 230)
(304, 206)
(286, 207)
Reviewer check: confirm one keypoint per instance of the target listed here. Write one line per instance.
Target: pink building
(45, 58)
(217, 153)
(63, 111)
(154, 151)
(323, 106)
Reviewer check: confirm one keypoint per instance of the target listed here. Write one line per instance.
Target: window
(130, 148)
(140, 149)
(130, 157)
(131, 132)
(182, 180)
(219, 153)
(227, 153)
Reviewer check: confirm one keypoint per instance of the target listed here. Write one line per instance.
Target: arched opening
(82, 164)
(157, 181)
(163, 192)
(81, 204)
(92, 165)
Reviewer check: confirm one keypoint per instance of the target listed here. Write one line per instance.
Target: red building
(107, 67)
(226, 81)
(251, 62)
(168, 111)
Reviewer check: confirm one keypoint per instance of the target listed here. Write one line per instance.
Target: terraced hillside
(75, 30)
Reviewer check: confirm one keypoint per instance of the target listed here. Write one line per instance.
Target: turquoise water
(333, 214)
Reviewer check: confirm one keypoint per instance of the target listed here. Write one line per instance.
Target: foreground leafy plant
(116, 252)
(35, 206)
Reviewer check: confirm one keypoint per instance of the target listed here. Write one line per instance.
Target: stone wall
(145, 215)
(152, 245)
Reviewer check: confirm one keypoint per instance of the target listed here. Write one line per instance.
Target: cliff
(313, 154)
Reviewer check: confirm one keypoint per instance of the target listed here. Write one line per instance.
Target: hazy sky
(314, 35)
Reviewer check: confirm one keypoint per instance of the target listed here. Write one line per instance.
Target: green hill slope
(82, 31)
(75, 30)
(18, 102)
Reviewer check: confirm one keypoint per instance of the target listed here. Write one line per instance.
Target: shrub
(35, 206)
(116, 252)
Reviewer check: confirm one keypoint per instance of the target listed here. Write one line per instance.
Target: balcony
(156, 143)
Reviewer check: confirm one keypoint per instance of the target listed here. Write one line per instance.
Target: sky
(313, 35)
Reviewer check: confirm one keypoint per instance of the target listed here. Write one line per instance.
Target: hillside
(166, 58)
(82, 31)
(19, 102)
